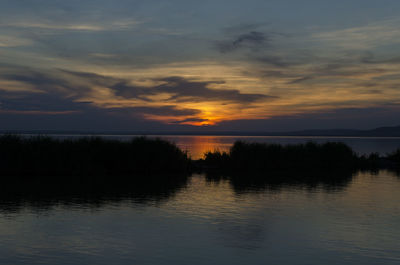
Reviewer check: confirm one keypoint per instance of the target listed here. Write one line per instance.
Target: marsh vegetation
(96, 158)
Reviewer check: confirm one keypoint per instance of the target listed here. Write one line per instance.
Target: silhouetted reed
(151, 166)
(49, 157)
(43, 172)
(252, 166)
(395, 156)
(259, 157)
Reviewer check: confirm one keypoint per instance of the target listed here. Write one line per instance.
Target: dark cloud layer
(273, 60)
(249, 40)
(184, 90)
(256, 46)
(352, 118)
(189, 120)
(53, 93)
(181, 89)
(370, 58)
(66, 92)
(162, 111)
(40, 102)
(49, 83)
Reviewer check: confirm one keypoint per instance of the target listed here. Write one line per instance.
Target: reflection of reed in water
(277, 180)
(45, 193)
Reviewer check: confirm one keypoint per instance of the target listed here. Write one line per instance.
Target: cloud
(124, 24)
(363, 37)
(167, 99)
(273, 60)
(370, 58)
(47, 102)
(38, 112)
(249, 40)
(62, 93)
(351, 118)
(191, 121)
(182, 89)
(125, 89)
(300, 80)
(336, 71)
(33, 92)
(49, 83)
(12, 41)
(250, 44)
(238, 29)
(171, 110)
(178, 88)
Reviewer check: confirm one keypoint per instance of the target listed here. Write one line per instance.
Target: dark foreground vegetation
(260, 158)
(92, 168)
(97, 157)
(44, 172)
(256, 166)
(86, 157)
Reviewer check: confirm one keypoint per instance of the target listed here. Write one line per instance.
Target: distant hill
(377, 132)
(385, 131)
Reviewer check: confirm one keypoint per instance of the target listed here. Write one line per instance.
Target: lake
(211, 220)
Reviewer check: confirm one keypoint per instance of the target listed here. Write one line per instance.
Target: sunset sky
(255, 65)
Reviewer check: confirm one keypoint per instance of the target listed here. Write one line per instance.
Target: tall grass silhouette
(259, 157)
(45, 156)
(96, 157)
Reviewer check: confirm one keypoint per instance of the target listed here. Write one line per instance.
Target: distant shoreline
(100, 134)
(381, 132)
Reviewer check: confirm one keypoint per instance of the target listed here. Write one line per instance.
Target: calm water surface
(209, 222)
(197, 145)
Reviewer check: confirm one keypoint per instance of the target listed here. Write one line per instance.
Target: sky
(255, 65)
